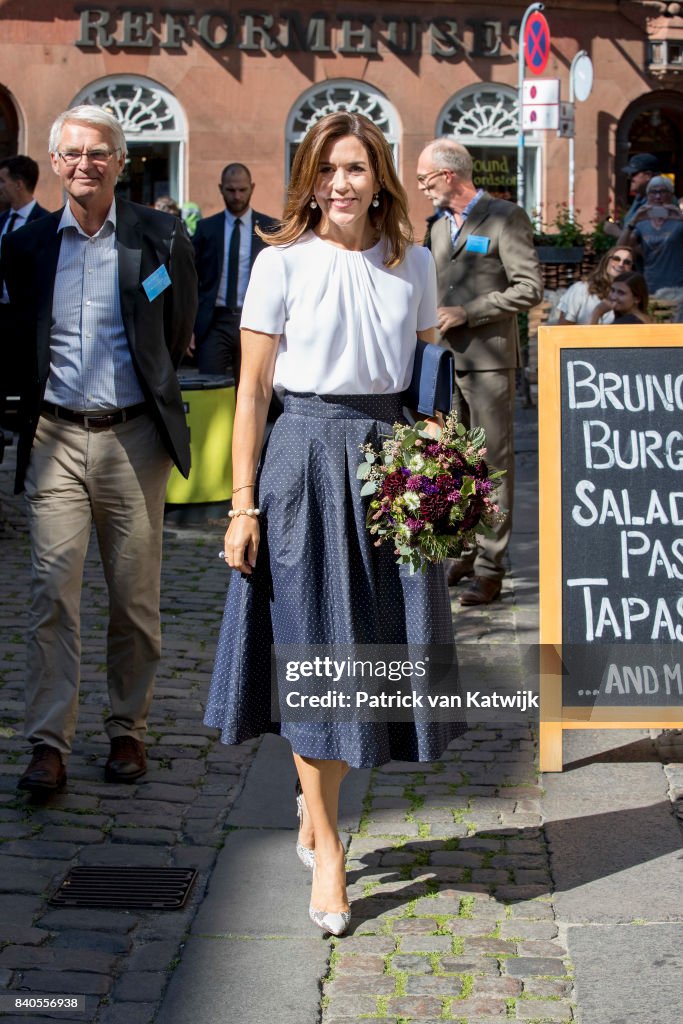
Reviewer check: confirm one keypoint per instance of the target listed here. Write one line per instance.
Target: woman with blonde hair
(330, 319)
(578, 302)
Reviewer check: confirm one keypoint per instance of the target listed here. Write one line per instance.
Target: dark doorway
(147, 174)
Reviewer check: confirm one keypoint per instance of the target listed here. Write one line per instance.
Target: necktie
(233, 266)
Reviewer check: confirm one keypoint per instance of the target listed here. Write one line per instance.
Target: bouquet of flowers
(431, 494)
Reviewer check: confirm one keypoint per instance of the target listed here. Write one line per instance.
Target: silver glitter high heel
(304, 853)
(335, 924)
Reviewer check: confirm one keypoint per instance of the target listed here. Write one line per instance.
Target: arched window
(484, 117)
(156, 132)
(340, 94)
(9, 125)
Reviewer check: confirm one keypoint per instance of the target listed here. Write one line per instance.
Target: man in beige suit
(487, 273)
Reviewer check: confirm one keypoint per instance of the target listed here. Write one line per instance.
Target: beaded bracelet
(253, 513)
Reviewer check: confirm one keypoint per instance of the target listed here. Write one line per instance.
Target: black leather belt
(95, 421)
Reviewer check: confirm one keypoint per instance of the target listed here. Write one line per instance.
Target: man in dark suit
(487, 272)
(105, 295)
(18, 180)
(226, 246)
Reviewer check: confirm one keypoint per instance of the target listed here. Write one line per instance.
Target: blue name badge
(477, 243)
(156, 283)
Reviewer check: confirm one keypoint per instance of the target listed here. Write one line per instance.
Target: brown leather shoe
(482, 590)
(127, 760)
(457, 570)
(46, 772)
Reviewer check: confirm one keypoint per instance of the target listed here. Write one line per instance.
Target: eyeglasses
(423, 179)
(659, 192)
(624, 262)
(95, 156)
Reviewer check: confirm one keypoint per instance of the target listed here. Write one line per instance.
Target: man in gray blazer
(487, 273)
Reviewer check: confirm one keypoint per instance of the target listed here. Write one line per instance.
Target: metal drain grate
(125, 888)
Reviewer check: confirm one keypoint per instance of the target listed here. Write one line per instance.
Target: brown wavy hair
(599, 282)
(389, 219)
(638, 286)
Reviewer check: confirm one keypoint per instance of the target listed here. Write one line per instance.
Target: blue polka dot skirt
(319, 579)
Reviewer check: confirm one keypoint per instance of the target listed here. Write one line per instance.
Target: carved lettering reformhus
(254, 31)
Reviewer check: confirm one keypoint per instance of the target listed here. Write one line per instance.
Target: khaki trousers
(486, 398)
(116, 479)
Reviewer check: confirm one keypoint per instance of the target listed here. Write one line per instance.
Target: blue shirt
(90, 361)
(455, 230)
(244, 256)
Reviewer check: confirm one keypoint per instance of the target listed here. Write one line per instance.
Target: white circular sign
(582, 71)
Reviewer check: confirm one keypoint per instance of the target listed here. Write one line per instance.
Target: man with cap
(656, 233)
(640, 169)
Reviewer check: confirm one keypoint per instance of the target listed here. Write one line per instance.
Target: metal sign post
(521, 60)
(580, 85)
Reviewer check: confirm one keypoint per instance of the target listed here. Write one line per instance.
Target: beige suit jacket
(493, 272)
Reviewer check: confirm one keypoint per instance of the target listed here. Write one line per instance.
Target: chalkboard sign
(611, 494)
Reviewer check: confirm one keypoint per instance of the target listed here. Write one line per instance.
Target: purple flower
(416, 483)
(479, 470)
(484, 487)
(415, 525)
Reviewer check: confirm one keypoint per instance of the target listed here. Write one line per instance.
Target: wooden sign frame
(554, 717)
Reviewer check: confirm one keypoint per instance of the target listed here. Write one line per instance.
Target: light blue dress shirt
(455, 230)
(244, 258)
(90, 361)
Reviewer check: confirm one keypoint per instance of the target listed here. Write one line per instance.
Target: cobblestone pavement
(119, 960)
(454, 917)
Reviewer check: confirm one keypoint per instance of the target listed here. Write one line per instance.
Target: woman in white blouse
(330, 320)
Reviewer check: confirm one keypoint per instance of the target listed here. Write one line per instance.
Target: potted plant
(564, 244)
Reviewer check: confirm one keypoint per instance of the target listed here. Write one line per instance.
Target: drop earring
(313, 205)
(375, 200)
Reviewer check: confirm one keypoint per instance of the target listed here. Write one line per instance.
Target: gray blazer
(493, 272)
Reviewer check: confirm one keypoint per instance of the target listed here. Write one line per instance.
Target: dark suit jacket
(36, 213)
(209, 247)
(158, 332)
(493, 285)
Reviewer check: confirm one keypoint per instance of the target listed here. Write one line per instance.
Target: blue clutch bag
(431, 387)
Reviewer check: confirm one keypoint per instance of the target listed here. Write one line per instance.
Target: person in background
(578, 302)
(105, 294)
(628, 301)
(191, 215)
(226, 246)
(641, 168)
(167, 205)
(657, 234)
(487, 271)
(18, 180)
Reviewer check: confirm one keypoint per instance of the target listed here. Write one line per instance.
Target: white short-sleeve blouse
(346, 322)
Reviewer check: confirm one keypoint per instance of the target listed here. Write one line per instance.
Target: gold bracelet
(253, 513)
(241, 488)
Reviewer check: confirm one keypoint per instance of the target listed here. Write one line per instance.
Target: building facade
(196, 88)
